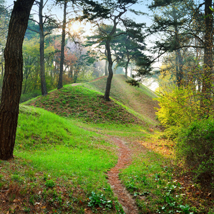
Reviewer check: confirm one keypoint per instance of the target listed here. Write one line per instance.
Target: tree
(112, 11)
(31, 65)
(129, 46)
(170, 24)
(32, 29)
(62, 44)
(204, 35)
(69, 61)
(12, 84)
(42, 54)
(208, 52)
(46, 25)
(4, 21)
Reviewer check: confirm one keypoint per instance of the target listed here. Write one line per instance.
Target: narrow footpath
(124, 160)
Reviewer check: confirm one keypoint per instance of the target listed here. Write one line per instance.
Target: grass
(58, 160)
(157, 184)
(62, 156)
(85, 104)
(138, 99)
(126, 131)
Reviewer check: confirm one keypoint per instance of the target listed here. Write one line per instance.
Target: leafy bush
(179, 107)
(28, 96)
(195, 146)
(99, 200)
(133, 82)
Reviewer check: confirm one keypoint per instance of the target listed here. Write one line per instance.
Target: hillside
(139, 99)
(71, 151)
(85, 104)
(57, 166)
(57, 162)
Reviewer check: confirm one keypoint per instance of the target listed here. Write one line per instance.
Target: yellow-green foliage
(195, 146)
(179, 107)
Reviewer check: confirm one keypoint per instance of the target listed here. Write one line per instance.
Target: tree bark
(208, 46)
(179, 68)
(60, 85)
(110, 62)
(106, 64)
(110, 75)
(106, 68)
(179, 60)
(12, 84)
(42, 52)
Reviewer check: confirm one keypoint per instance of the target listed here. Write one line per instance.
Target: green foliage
(99, 200)
(178, 107)
(133, 82)
(149, 179)
(31, 78)
(28, 96)
(183, 113)
(17, 178)
(32, 29)
(50, 183)
(195, 146)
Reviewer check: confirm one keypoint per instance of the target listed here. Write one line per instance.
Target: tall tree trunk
(108, 51)
(12, 85)
(208, 46)
(110, 63)
(126, 68)
(179, 60)
(62, 46)
(70, 74)
(179, 68)
(106, 64)
(42, 52)
(2, 67)
(106, 68)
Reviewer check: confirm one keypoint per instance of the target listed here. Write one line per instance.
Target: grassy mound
(57, 167)
(85, 104)
(139, 99)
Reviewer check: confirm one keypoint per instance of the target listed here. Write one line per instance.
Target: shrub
(28, 96)
(178, 107)
(99, 200)
(133, 82)
(195, 146)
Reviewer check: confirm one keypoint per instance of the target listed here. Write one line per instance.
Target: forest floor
(85, 155)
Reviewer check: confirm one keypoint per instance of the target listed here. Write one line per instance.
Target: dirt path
(119, 190)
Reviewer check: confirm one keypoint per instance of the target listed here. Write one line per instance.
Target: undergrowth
(195, 147)
(158, 185)
(57, 166)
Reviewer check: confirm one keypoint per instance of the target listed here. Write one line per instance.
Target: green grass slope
(139, 99)
(60, 167)
(57, 167)
(85, 104)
